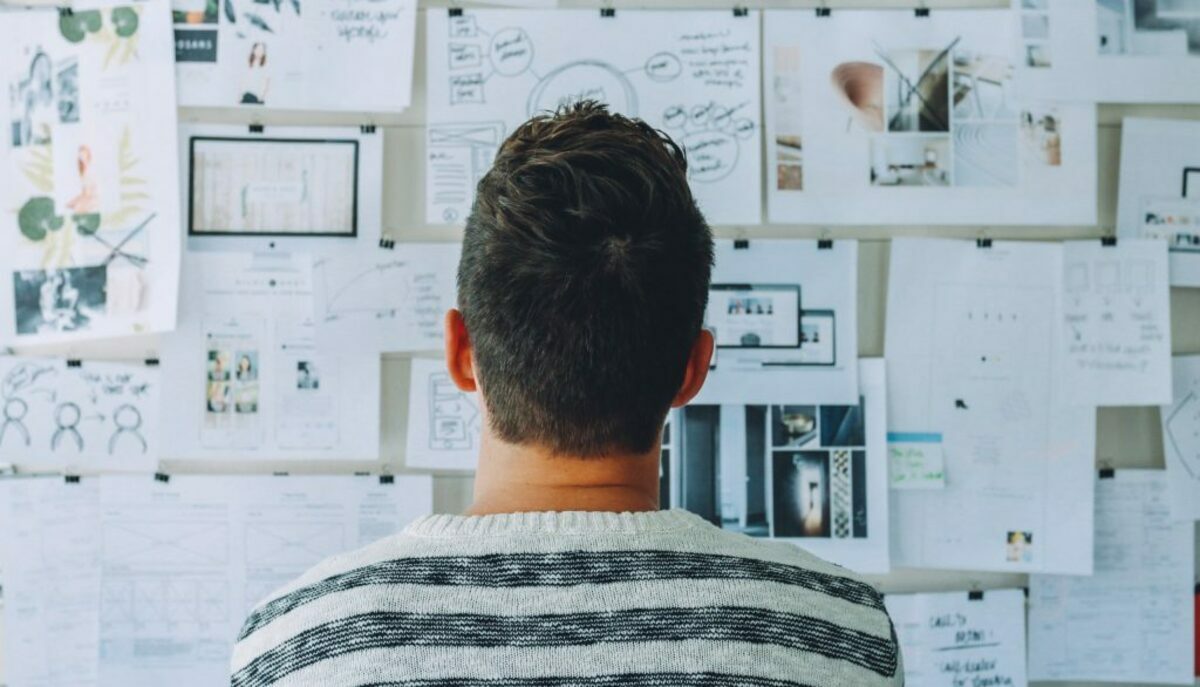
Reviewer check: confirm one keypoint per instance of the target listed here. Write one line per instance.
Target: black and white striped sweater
(557, 599)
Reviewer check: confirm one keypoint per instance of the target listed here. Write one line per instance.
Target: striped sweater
(556, 599)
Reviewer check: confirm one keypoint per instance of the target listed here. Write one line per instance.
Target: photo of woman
(257, 79)
(88, 200)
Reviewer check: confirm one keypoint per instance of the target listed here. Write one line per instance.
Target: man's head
(582, 286)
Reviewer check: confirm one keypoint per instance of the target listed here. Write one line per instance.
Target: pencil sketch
(453, 416)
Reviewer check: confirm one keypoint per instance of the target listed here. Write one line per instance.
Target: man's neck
(520, 479)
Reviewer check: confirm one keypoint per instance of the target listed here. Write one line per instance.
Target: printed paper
(89, 216)
(247, 377)
(974, 354)
(882, 117)
(693, 74)
(812, 473)
(1117, 315)
(294, 55)
(83, 415)
(444, 423)
(785, 317)
(953, 639)
(1131, 620)
(916, 461)
(385, 299)
(1181, 439)
(1160, 190)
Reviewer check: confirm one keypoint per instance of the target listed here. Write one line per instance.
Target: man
(582, 289)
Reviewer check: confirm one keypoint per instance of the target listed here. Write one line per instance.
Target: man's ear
(697, 369)
(459, 359)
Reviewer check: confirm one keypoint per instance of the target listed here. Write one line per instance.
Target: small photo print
(843, 426)
(219, 362)
(217, 398)
(1035, 26)
(859, 86)
(917, 96)
(793, 426)
(985, 154)
(247, 366)
(751, 306)
(789, 168)
(245, 400)
(31, 100)
(910, 161)
(55, 301)
(307, 378)
(800, 490)
(67, 92)
(1041, 138)
(1019, 547)
(1037, 55)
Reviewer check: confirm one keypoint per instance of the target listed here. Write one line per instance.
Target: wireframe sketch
(54, 414)
(90, 203)
(689, 73)
(444, 424)
(453, 416)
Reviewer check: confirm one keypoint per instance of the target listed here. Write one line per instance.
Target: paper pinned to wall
(1181, 439)
(79, 415)
(385, 299)
(1160, 190)
(693, 74)
(50, 547)
(335, 55)
(248, 379)
(1131, 621)
(444, 423)
(220, 545)
(1117, 316)
(785, 317)
(953, 639)
(974, 354)
(882, 117)
(89, 213)
(813, 474)
(916, 460)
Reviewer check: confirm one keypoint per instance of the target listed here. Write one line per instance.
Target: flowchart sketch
(1117, 317)
(444, 423)
(884, 117)
(1181, 439)
(693, 74)
(89, 225)
(83, 415)
(386, 299)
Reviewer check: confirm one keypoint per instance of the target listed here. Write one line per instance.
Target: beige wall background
(1127, 437)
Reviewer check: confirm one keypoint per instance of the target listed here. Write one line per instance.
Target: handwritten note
(953, 640)
(1117, 323)
(916, 460)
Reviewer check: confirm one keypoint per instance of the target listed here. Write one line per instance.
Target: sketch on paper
(1181, 439)
(691, 74)
(444, 423)
(89, 238)
(91, 414)
(883, 117)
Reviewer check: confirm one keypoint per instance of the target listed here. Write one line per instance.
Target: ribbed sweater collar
(567, 522)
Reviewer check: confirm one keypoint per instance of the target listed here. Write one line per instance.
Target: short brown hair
(583, 281)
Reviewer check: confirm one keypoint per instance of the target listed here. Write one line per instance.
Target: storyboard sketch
(1181, 439)
(443, 423)
(79, 415)
(974, 359)
(692, 74)
(1160, 190)
(50, 546)
(295, 54)
(883, 117)
(1128, 51)
(247, 377)
(292, 189)
(184, 561)
(385, 299)
(784, 316)
(1131, 620)
(811, 473)
(89, 215)
(1117, 323)
(961, 638)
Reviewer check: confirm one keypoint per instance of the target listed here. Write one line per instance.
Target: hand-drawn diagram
(691, 74)
(444, 423)
(55, 413)
(1181, 438)
(384, 302)
(453, 416)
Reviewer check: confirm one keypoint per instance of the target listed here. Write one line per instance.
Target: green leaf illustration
(125, 21)
(75, 26)
(87, 224)
(37, 218)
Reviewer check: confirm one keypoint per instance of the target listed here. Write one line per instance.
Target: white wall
(1128, 437)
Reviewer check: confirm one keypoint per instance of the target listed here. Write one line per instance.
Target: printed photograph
(985, 154)
(722, 481)
(843, 425)
(1019, 547)
(217, 397)
(910, 161)
(793, 426)
(786, 91)
(31, 101)
(247, 366)
(1038, 55)
(55, 301)
(917, 90)
(800, 494)
(219, 363)
(981, 86)
(1162, 28)
(245, 399)
(1041, 138)
(307, 378)
(67, 91)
